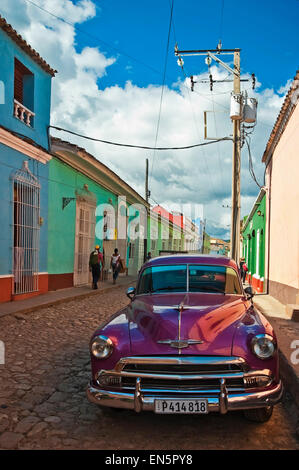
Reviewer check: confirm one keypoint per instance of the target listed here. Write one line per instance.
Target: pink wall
(284, 214)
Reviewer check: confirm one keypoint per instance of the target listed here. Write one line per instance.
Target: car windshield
(189, 278)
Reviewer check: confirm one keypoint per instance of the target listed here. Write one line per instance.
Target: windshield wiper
(166, 288)
(213, 289)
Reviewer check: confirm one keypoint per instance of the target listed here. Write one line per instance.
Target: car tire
(259, 415)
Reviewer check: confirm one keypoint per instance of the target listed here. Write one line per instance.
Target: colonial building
(282, 221)
(192, 236)
(89, 204)
(253, 235)
(219, 247)
(171, 236)
(25, 95)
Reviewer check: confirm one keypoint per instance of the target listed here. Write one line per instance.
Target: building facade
(219, 247)
(192, 236)
(25, 88)
(171, 235)
(254, 242)
(282, 176)
(88, 205)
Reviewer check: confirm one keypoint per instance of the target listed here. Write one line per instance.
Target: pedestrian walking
(149, 256)
(243, 270)
(96, 262)
(115, 264)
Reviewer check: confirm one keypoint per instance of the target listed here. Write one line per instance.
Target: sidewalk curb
(287, 372)
(64, 300)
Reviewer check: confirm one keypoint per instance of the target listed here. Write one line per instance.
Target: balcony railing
(23, 114)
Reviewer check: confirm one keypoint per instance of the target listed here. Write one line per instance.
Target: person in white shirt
(115, 264)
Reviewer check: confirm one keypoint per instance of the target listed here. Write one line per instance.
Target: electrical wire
(162, 90)
(218, 152)
(137, 146)
(221, 20)
(250, 162)
(97, 38)
(195, 122)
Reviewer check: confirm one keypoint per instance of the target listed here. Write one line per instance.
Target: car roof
(216, 260)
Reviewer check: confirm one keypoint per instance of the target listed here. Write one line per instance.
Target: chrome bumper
(222, 402)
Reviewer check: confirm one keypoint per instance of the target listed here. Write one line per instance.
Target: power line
(250, 162)
(194, 117)
(137, 146)
(163, 84)
(97, 38)
(221, 20)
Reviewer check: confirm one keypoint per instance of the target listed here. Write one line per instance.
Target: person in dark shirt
(96, 262)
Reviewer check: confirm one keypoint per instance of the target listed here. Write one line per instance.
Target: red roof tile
(282, 118)
(17, 38)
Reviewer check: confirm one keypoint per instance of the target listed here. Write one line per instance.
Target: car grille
(173, 384)
(178, 376)
(182, 368)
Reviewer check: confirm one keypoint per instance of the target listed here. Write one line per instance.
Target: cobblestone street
(43, 403)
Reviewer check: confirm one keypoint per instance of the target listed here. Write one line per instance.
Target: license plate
(181, 406)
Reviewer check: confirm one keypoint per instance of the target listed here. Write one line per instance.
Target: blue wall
(9, 50)
(10, 161)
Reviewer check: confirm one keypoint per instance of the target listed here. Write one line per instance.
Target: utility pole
(236, 171)
(147, 194)
(213, 54)
(203, 237)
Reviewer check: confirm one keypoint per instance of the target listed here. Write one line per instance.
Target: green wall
(255, 223)
(63, 182)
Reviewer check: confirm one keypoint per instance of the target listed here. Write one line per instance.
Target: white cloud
(129, 114)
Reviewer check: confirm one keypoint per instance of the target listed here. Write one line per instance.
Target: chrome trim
(179, 393)
(179, 343)
(181, 306)
(263, 335)
(196, 360)
(137, 396)
(178, 377)
(230, 401)
(223, 397)
(109, 342)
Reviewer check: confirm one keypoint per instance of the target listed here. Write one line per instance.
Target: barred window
(26, 213)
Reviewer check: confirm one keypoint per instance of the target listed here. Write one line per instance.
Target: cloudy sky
(110, 57)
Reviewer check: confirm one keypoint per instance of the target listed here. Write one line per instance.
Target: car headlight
(263, 346)
(101, 347)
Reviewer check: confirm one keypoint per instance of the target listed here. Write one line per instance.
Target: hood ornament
(180, 343)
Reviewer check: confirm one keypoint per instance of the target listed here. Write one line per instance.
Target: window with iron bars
(26, 215)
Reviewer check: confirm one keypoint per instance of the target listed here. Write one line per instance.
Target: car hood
(156, 320)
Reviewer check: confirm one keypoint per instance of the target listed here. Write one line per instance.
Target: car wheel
(259, 415)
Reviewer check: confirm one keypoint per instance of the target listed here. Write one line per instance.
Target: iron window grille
(26, 230)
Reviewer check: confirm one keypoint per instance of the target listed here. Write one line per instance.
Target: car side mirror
(131, 292)
(249, 292)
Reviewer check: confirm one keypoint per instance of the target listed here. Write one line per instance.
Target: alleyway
(43, 403)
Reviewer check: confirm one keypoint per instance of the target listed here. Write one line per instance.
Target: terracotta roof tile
(17, 38)
(65, 145)
(281, 122)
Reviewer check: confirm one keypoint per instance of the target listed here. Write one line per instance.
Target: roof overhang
(79, 159)
(20, 145)
(260, 196)
(17, 38)
(289, 104)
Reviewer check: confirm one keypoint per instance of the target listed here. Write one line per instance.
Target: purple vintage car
(190, 341)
